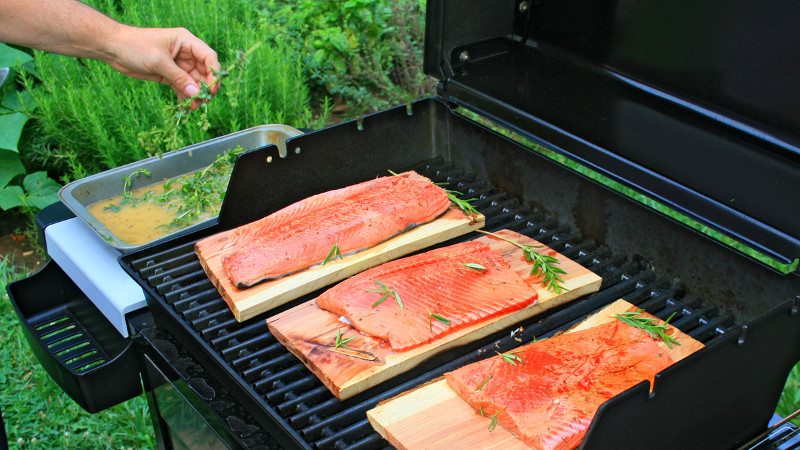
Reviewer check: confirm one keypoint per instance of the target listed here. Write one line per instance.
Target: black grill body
(745, 313)
(692, 106)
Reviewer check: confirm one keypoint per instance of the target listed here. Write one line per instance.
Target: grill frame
(466, 145)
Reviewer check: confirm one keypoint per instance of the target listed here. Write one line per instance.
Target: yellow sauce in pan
(143, 222)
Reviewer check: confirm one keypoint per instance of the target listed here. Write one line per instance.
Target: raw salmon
(353, 218)
(549, 398)
(438, 292)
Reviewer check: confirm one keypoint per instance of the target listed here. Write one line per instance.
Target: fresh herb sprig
(493, 422)
(339, 342)
(511, 357)
(543, 265)
(483, 385)
(204, 92)
(475, 267)
(438, 317)
(333, 254)
(463, 205)
(649, 325)
(127, 181)
(387, 293)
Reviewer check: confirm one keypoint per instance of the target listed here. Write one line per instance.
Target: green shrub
(91, 118)
(367, 54)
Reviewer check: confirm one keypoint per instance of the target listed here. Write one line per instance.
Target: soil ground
(17, 246)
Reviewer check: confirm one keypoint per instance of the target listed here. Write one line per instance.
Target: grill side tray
(78, 347)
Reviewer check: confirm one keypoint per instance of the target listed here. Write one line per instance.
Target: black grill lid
(694, 104)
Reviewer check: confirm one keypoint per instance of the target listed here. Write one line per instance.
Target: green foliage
(37, 189)
(91, 118)
(790, 398)
(367, 53)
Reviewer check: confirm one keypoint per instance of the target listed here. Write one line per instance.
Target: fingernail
(191, 90)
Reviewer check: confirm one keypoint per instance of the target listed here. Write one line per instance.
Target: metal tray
(79, 194)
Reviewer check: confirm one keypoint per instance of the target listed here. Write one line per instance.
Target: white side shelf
(93, 266)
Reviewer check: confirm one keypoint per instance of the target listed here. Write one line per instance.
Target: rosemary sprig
(442, 319)
(333, 254)
(387, 293)
(484, 383)
(204, 92)
(463, 205)
(543, 265)
(475, 267)
(649, 325)
(493, 423)
(342, 342)
(511, 357)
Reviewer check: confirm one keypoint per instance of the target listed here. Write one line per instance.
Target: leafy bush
(367, 54)
(35, 190)
(91, 118)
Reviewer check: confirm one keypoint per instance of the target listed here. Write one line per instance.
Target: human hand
(173, 56)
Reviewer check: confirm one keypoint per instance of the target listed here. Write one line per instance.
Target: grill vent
(69, 343)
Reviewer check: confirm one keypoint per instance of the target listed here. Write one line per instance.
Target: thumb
(180, 81)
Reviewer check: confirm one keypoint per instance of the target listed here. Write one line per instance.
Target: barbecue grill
(689, 106)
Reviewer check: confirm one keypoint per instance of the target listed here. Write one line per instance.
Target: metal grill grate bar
(286, 386)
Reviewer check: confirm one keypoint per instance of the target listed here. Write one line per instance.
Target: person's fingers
(173, 56)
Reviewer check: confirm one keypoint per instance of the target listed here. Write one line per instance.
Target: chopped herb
(542, 265)
(342, 342)
(481, 410)
(442, 319)
(388, 293)
(333, 254)
(493, 423)
(649, 325)
(484, 383)
(475, 267)
(511, 357)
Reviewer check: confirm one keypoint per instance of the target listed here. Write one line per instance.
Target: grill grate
(289, 390)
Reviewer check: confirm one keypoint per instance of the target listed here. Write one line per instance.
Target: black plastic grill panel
(290, 391)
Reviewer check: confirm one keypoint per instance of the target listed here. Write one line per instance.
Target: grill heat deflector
(94, 268)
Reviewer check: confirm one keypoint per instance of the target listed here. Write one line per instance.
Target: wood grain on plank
(407, 421)
(247, 303)
(310, 332)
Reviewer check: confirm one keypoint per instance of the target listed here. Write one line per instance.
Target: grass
(38, 414)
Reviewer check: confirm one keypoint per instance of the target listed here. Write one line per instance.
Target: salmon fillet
(353, 218)
(437, 283)
(549, 399)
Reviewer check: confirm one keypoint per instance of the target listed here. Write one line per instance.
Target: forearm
(66, 27)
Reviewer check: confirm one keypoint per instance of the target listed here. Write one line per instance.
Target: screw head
(464, 56)
(523, 6)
